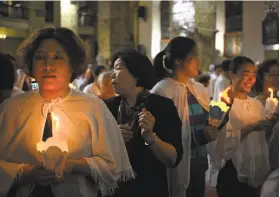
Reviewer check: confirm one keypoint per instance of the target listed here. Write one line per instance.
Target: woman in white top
(242, 142)
(97, 157)
(176, 66)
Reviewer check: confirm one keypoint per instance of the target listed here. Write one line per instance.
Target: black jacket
(151, 178)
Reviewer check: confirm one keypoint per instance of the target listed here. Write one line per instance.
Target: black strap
(40, 190)
(48, 127)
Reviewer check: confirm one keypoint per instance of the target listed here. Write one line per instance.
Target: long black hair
(178, 48)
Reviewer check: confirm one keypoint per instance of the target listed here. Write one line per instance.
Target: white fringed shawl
(89, 129)
(250, 156)
(178, 178)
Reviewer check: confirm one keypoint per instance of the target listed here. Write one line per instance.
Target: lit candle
(57, 124)
(72, 86)
(271, 93)
(270, 105)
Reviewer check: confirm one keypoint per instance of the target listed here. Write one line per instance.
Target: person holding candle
(176, 66)
(150, 125)
(97, 157)
(267, 77)
(242, 142)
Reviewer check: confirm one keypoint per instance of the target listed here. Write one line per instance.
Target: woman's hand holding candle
(36, 174)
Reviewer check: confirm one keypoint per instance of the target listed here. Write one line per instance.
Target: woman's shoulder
(80, 98)
(27, 100)
(255, 102)
(166, 87)
(166, 82)
(160, 102)
(23, 98)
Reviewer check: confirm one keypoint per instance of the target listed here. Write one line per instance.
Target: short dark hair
(217, 66)
(7, 71)
(98, 69)
(177, 48)
(262, 69)
(237, 62)
(71, 43)
(225, 65)
(204, 78)
(138, 65)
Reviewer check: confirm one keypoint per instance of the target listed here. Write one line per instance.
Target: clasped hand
(38, 174)
(146, 122)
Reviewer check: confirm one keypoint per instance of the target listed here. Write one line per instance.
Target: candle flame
(72, 86)
(271, 92)
(55, 117)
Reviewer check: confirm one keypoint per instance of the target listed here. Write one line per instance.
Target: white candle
(57, 124)
(271, 93)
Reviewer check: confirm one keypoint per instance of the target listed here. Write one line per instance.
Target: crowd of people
(135, 128)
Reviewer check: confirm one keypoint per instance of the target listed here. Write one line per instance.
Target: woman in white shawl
(242, 142)
(97, 158)
(176, 65)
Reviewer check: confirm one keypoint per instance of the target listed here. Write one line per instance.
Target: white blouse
(250, 156)
(87, 125)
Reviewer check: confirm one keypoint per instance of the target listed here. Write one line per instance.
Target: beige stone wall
(114, 27)
(69, 15)
(121, 26)
(36, 19)
(205, 20)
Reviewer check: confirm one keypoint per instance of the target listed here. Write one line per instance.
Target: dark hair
(177, 48)
(263, 68)
(138, 65)
(237, 62)
(217, 66)
(7, 72)
(72, 44)
(204, 78)
(225, 65)
(98, 70)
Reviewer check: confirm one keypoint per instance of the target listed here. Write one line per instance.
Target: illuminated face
(51, 67)
(245, 78)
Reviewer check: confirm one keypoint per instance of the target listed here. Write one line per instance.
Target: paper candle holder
(217, 112)
(53, 155)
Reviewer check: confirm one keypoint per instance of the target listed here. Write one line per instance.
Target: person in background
(105, 86)
(93, 88)
(205, 80)
(150, 125)
(176, 66)
(267, 77)
(222, 81)
(270, 187)
(7, 77)
(198, 75)
(97, 159)
(242, 142)
(215, 71)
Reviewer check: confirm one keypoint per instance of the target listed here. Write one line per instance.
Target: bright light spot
(183, 14)
(3, 36)
(55, 117)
